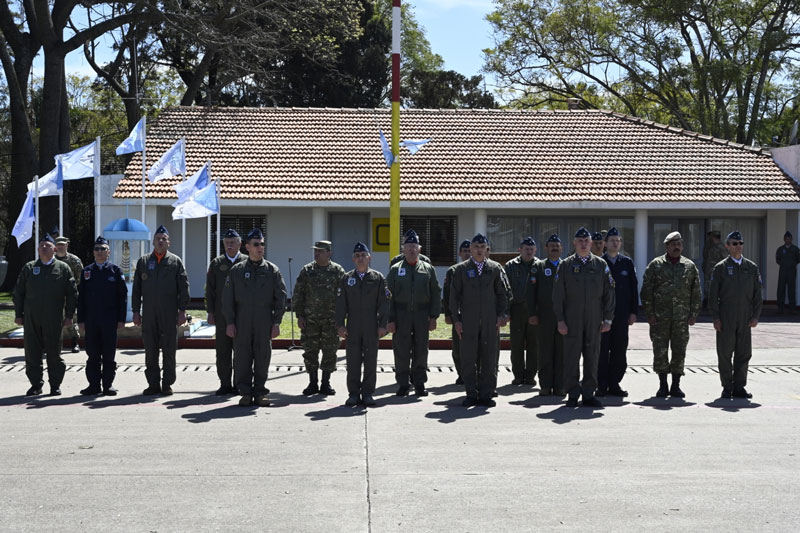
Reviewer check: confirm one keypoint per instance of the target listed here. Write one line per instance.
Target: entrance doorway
(346, 229)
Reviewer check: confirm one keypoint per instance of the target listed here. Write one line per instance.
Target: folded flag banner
(172, 163)
(387, 152)
(135, 141)
(413, 145)
(191, 185)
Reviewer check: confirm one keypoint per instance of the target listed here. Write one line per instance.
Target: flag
(191, 185)
(413, 145)
(81, 163)
(387, 152)
(23, 228)
(172, 163)
(49, 183)
(135, 141)
(201, 204)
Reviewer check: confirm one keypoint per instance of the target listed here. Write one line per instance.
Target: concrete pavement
(197, 462)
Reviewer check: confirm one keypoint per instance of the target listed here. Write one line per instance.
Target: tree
(707, 65)
(445, 89)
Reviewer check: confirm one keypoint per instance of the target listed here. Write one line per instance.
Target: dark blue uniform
(614, 345)
(102, 301)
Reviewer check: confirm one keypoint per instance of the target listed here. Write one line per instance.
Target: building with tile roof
(312, 174)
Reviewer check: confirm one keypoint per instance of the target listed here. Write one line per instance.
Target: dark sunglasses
(100, 248)
(257, 244)
(737, 243)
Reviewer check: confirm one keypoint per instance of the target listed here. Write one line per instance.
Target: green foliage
(445, 89)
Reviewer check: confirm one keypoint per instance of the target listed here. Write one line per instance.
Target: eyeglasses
(737, 243)
(257, 244)
(100, 248)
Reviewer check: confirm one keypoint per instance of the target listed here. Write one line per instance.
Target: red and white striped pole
(394, 197)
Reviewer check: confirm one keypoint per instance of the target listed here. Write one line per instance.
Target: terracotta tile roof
(475, 156)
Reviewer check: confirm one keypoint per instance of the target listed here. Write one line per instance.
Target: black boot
(75, 346)
(675, 391)
(325, 387)
(312, 388)
(663, 389)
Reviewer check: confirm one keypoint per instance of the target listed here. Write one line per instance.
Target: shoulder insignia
(351, 282)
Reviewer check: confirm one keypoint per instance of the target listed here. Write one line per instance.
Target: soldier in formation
(787, 257)
(598, 244)
(76, 266)
(463, 255)
(524, 342)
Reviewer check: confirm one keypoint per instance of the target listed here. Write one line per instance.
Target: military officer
(524, 344)
(399, 257)
(463, 254)
(102, 307)
(253, 303)
(314, 302)
(583, 302)
(713, 252)
(362, 308)
(413, 310)
(735, 303)
(613, 361)
(787, 257)
(540, 309)
(158, 301)
(76, 266)
(598, 244)
(478, 305)
(44, 302)
(217, 273)
(671, 300)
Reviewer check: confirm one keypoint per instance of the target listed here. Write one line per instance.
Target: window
(241, 223)
(504, 233)
(437, 235)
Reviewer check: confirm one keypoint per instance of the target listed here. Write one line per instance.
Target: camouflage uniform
(671, 295)
(314, 299)
(76, 266)
(712, 255)
(524, 342)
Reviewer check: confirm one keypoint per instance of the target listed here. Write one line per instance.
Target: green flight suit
(399, 257)
(314, 299)
(217, 273)
(670, 294)
(416, 299)
(787, 258)
(254, 300)
(76, 266)
(551, 342)
(43, 296)
(456, 341)
(583, 297)
(735, 299)
(160, 291)
(477, 300)
(712, 254)
(362, 306)
(524, 341)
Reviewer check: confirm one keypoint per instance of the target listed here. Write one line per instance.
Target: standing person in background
(598, 244)
(463, 254)
(524, 342)
(787, 257)
(76, 266)
(713, 252)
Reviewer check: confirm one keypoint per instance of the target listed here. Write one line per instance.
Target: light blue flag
(135, 141)
(201, 204)
(387, 152)
(189, 186)
(23, 228)
(80, 163)
(413, 145)
(59, 173)
(172, 163)
(48, 184)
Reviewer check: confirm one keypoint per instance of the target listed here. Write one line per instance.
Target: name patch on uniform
(401, 271)
(351, 282)
(36, 271)
(247, 275)
(471, 273)
(548, 272)
(87, 274)
(624, 272)
(151, 265)
(223, 267)
(730, 271)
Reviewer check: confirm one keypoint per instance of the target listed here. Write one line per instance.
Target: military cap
(597, 236)
(62, 240)
(464, 245)
(162, 229)
(613, 232)
(714, 233)
(480, 238)
(255, 233)
(360, 247)
(527, 241)
(582, 233)
(101, 240)
(553, 238)
(411, 237)
(231, 234)
(54, 231)
(787, 234)
(734, 235)
(322, 245)
(47, 238)
(674, 236)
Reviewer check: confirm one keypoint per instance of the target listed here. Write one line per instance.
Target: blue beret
(787, 234)
(734, 235)
(464, 245)
(162, 229)
(553, 238)
(480, 239)
(54, 231)
(101, 240)
(255, 233)
(360, 247)
(613, 232)
(47, 238)
(597, 236)
(411, 237)
(527, 241)
(582, 233)
(231, 234)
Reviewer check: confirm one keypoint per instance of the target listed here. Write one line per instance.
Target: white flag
(172, 163)
(135, 140)
(48, 184)
(80, 163)
(201, 204)
(192, 184)
(23, 228)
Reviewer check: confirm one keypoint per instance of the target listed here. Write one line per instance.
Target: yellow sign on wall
(380, 234)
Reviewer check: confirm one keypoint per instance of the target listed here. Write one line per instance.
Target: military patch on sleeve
(388, 294)
(759, 279)
(351, 282)
(611, 281)
(87, 274)
(401, 271)
(339, 291)
(247, 275)
(548, 272)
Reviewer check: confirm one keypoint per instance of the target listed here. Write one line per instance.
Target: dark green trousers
(734, 350)
(43, 338)
(524, 344)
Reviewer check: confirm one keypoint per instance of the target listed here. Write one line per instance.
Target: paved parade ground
(198, 462)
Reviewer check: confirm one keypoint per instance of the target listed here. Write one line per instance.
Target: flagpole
(219, 217)
(208, 226)
(183, 221)
(394, 191)
(144, 171)
(36, 210)
(97, 197)
(61, 199)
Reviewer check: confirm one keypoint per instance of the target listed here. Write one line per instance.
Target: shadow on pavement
(732, 405)
(16, 400)
(454, 411)
(340, 411)
(511, 390)
(614, 401)
(565, 415)
(664, 404)
(12, 359)
(138, 399)
(283, 400)
(38, 402)
(535, 402)
(211, 399)
(226, 412)
(446, 389)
